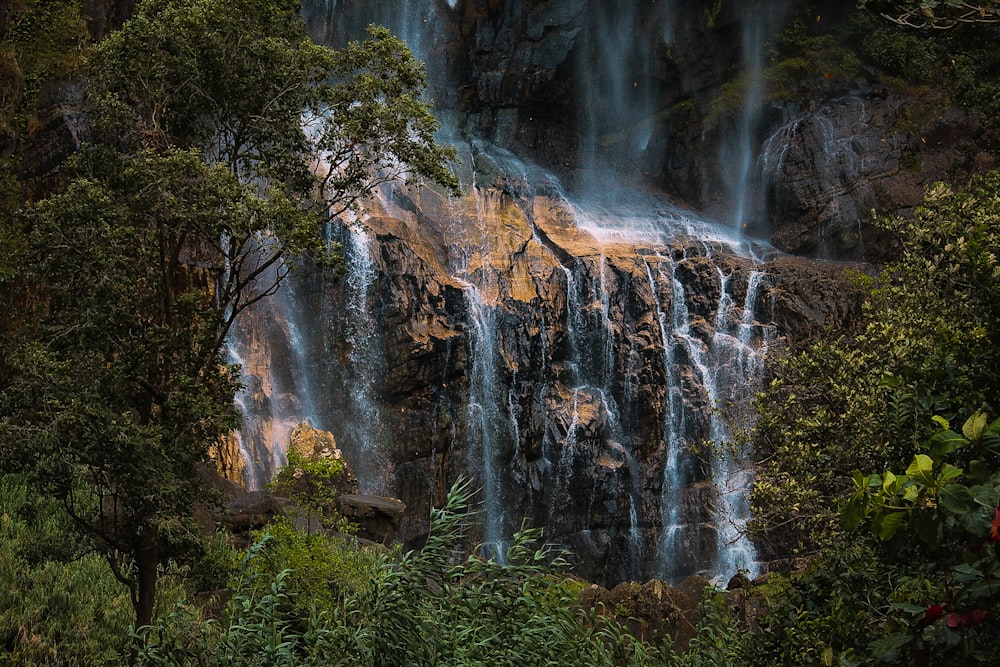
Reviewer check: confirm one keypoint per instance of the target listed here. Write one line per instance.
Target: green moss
(712, 14)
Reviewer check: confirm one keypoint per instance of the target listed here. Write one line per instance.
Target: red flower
(995, 526)
(979, 616)
(933, 613)
(956, 620)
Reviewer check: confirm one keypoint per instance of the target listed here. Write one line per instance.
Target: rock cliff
(571, 333)
(572, 358)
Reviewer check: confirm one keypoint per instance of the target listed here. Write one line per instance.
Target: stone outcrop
(651, 610)
(313, 444)
(826, 168)
(377, 517)
(659, 93)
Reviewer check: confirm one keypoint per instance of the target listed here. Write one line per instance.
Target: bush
(58, 605)
(439, 606)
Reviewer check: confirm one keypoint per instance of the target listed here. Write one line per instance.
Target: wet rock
(828, 167)
(314, 444)
(252, 511)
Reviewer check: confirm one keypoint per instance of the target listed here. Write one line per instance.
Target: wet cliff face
(568, 334)
(572, 357)
(675, 96)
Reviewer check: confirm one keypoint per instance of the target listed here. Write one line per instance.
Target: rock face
(568, 357)
(566, 333)
(675, 95)
(377, 517)
(824, 170)
(653, 609)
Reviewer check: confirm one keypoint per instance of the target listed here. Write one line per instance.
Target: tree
(930, 345)
(926, 356)
(226, 140)
(939, 14)
(240, 81)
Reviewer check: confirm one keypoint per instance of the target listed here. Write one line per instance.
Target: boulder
(377, 517)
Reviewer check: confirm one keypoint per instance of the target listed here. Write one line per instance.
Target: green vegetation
(187, 211)
(910, 575)
(816, 55)
(440, 606)
(880, 482)
(936, 14)
(312, 484)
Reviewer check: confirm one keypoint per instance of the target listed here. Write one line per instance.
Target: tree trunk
(147, 562)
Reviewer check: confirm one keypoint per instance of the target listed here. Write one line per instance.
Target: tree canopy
(223, 141)
(897, 415)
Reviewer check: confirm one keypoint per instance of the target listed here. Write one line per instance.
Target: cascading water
(272, 344)
(488, 423)
(577, 396)
(617, 87)
(361, 423)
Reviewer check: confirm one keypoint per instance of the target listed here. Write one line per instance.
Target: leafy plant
(955, 514)
(440, 606)
(313, 484)
(181, 217)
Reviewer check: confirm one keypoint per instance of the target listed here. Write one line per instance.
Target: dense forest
(127, 256)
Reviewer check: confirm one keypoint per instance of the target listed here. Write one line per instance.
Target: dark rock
(827, 168)
(650, 610)
(252, 511)
(377, 517)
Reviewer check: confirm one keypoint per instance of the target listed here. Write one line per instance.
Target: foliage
(818, 55)
(938, 14)
(258, 628)
(39, 41)
(313, 484)
(827, 614)
(440, 606)
(804, 60)
(323, 571)
(184, 215)
(59, 604)
(242, 81)
(926, 357)
(954, 513)
(121, 388)
(929, 346)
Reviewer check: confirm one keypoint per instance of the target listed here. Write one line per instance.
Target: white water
(362, 423)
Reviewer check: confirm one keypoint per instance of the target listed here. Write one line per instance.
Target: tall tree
(226, 140)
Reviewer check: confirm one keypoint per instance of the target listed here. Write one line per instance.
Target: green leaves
(974, 426)
(938, 14)
(956, 498)
(931, 485)
(443, 605)
(921, 470)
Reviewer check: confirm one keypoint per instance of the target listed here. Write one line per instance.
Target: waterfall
(272, 344)
(741, 178)
(587, 418)
(361, 424)
(735, 377)
(617, 87)
(674, 480)
(488, 423)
